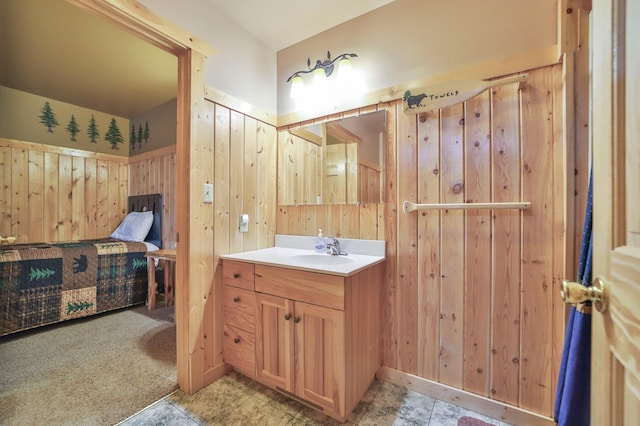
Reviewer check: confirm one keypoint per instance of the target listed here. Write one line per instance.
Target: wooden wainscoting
(48, 193)
(473, 303)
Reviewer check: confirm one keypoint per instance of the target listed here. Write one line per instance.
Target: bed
(46, 283)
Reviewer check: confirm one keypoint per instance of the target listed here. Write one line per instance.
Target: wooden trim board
(468, 400)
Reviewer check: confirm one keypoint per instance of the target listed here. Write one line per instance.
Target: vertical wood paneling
(36, 196)
(560, 219)
(429, 245)
(209, 332)
(5, 190)
(91, 198)
(102, 198)
(51, 197)
(64, 197)
(266, 201)
(221, 178)
(20, 194)
(505, 319)
(390, 287)
(52, 191)
(115, 214)
(367, 220)
(407, 272)
(537, 250)
(236, 180)
(452, 246)
(78, 200)
(250, 182)
(478, 277)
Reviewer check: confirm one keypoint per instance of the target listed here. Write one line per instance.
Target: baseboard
(213, 374)
(488, 407)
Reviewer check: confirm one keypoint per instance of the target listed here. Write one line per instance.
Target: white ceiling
(282, 23)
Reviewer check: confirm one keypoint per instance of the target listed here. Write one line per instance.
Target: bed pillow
(134, 227)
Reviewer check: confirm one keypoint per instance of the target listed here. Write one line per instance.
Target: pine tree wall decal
(140, 136)
(92, 130)
(132, 136)
(73, 128)
(146, 132)
(113, 135)
(48, 117)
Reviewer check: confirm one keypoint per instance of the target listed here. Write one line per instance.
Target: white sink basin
(301, 258)
(321, 259)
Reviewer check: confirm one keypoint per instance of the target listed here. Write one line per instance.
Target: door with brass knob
(615, 358)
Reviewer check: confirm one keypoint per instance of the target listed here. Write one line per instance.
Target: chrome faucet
(333, 248)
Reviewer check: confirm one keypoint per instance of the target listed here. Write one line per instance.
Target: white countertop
(291, 252)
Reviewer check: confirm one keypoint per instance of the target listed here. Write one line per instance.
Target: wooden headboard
(153, 202)
(139, 203)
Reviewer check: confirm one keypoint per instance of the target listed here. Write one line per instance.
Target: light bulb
(297, 87)
(319, 78)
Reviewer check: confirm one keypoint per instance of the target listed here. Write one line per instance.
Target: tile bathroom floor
(237, 400)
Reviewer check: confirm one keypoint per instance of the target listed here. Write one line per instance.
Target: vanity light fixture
(321, 70)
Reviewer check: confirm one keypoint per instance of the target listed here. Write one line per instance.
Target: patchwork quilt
(52, 282)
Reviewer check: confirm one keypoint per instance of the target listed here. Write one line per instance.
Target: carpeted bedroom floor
(97, 370)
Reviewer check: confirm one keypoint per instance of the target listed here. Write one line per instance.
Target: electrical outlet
(207, 193)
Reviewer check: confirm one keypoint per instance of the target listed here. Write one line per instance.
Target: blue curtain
(574, 385)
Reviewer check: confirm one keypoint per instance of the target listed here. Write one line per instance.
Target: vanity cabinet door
(274, 341)
(320, 356)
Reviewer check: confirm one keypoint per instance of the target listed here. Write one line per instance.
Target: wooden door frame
(191, 52)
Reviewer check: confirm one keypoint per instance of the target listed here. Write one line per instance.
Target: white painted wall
(401, 42)
(243, 67)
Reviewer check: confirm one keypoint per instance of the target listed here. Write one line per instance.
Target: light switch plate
(207, 193)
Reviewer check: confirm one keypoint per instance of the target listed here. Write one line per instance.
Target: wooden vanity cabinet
(239, 306)
(317, 336)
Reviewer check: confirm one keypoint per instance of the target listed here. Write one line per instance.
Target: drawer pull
(236, 275)
(236, 340)
(287, 317)
(236, 299)
(296, 319)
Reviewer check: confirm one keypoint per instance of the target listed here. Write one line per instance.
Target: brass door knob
(573, 292)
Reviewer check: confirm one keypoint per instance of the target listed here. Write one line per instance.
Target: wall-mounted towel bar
(408, 206)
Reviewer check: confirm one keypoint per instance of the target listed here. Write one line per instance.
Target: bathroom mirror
(336, 162)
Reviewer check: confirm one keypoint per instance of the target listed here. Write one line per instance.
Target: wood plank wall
(471, 296)
(53, 194)
(155, 173)
(244, 168)
(243, 165)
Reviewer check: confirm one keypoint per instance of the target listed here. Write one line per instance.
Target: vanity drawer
(238, 274)
(239, 349)
(239, 308)
(311, 287)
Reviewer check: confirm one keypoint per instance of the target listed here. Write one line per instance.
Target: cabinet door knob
(236, 340)
(287, 317)
(236, 299)
(296, 319)
(236, 275)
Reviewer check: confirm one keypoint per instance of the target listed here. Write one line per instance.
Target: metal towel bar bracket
(408, 206)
